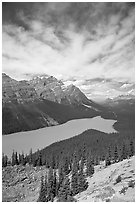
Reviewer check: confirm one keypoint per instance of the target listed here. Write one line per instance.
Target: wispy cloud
(69, 40)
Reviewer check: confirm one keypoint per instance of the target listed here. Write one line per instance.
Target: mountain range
(42, 101)
(46, 101)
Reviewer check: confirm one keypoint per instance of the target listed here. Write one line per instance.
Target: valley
(53, 130)
(48, 126)
(38, 139)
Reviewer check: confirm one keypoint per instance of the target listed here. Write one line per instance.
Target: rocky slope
(48, 87)
(23, 183)
(16, 91)
(116, 183)
(41, 87)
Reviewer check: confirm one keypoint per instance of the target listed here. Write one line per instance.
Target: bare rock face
(16, 91)
(54, 90)
(41, 87)
(21, 183)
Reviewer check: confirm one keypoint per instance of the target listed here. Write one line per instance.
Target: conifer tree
(23, 162)
(124, 152)
(61, 178)
(19, 158)
(84, 153)
(54, 188)
(39, 161)
(66, 169)
(42, 194)
(108, 158)
(16, 158)
(107, 161)
(30, 156)
(74, 180)
(82, 183)
(115, 154)
(13, 159)
(90, 167)
(131, 150)
(53, 163)
(4, 160)
(65, 194)
(50, 185)
(96, 160)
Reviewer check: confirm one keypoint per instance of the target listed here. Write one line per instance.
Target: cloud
(70, 40)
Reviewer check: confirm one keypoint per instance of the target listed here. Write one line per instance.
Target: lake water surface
(24, 141)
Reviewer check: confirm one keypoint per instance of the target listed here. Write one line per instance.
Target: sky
(91, 45)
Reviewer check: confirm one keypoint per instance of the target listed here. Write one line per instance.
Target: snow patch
(91, 107)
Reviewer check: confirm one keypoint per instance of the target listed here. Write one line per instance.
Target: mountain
(42, 101)
(16, 91)
(55, 90)
(122, 103)
(123, 108)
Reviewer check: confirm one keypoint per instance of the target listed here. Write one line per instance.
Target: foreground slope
(105, 185)
(23, 183)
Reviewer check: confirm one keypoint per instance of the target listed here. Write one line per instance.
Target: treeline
(97, 145)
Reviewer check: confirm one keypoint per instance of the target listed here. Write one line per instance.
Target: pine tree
(124, 152)
(23, 162)
(46, 188)
(84, 153)
(65, 194)
(107, 161)
(19, 158)
(42, 194)
(61, 178)
(39, 160)
(54, 188)
(89, 167)
(82, 183)
(4, 160)
(108, 158)
(53, 163)
(66, 169)
(131, 150)
(74, 181)
(50, 185)
(16, 158)
(30, 156)
(116, 154)
(96, 160)
(13, 158)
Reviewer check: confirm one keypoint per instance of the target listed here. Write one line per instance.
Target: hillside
(18, 117)
(22, 184)
(105, 185)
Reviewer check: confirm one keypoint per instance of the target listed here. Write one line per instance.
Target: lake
(24, 141)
